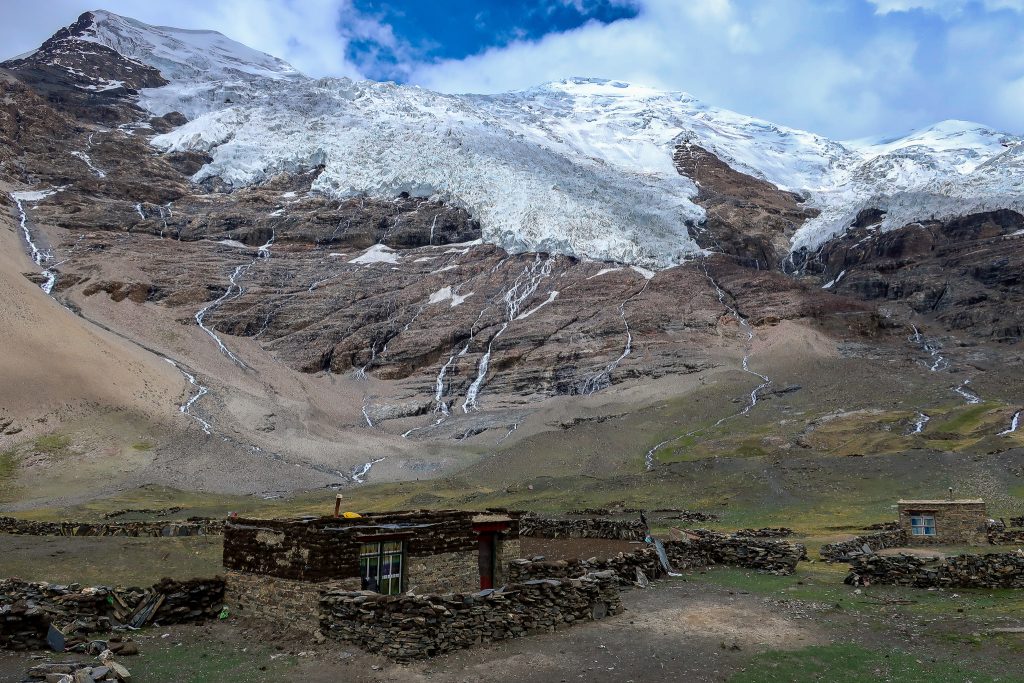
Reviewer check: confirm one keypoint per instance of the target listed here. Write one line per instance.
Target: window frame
(384, 555)
(922, 525)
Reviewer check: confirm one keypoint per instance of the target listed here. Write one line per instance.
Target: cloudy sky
(845, 68)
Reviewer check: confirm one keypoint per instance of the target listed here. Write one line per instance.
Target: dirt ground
(676, 631)
(697, 629)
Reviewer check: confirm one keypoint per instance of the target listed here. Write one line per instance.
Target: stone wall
(1005, 536)
(28, 609)
(194, 526)
(542, 527)
(289, 603)
(844, 551)
(415, 627)
(993, 570)
(706, 548)
(624, 565)
(443, 573)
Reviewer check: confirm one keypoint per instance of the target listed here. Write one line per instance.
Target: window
(922, 525)
(380, 566)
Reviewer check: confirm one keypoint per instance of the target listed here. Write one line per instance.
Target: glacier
(581, 167)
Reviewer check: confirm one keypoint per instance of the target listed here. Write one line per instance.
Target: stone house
(277, 567)
(928, 522)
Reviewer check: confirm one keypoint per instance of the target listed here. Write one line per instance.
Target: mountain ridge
(617, 137)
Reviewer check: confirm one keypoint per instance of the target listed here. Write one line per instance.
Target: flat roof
(960, 501)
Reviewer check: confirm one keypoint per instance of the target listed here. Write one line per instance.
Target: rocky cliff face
(306, 317)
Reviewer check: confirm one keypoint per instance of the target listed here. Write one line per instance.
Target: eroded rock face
(747, 217)
(398, 291)
(97, 84)
(966, 272)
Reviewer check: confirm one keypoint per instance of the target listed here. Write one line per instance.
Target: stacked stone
(542, 527)
(194, 526)
(624, 565)
(993, 570)
(189, 601)
(845, 551)
(27, 610)
(409, 627)
(143, 511)
(766, 532)
(1005, 536)
(710, 548)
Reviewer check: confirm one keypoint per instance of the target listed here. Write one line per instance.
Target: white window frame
(922, 525)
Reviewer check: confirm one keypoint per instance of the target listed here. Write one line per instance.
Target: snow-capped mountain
(581, 166)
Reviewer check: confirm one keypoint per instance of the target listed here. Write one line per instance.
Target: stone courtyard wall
(28, 609)
(194, 526)
(543, 527)
(405, 627)
(992, 570)
(847, 550)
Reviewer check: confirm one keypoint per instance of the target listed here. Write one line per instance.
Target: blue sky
(843, 68)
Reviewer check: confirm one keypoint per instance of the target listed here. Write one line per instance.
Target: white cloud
(946, 8)
(831, 67)
(845, 68)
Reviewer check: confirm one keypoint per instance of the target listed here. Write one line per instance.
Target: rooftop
(947, 501)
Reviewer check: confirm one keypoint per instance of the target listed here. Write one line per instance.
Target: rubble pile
(543, 527)
(992, 570)
(79, 672)
(844, 551)
(407, 627)
(193, 526)
(704, 548)
(61, 617)
(624, 565)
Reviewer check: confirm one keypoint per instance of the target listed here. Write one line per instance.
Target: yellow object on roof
(351, 515)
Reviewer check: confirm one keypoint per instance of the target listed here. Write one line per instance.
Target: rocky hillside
(349, 276)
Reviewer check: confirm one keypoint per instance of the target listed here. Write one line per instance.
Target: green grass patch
(143, 446)
(966, 420)
(207, 661)
(846, 662)
(8, 472)
(52, 444)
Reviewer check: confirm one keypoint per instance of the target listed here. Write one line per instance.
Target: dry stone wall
(286, 602)
(624, 565)
(409, 627)
(542, 527)
(844, 551)
(992, 570)
(27, 609)
(195, 526)
(1005, 536)
(710, 548)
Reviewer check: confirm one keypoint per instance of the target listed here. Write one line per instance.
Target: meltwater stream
(752, 400)
(233, 291)
(39, 257)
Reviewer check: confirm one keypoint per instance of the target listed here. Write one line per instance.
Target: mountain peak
(179, 54)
